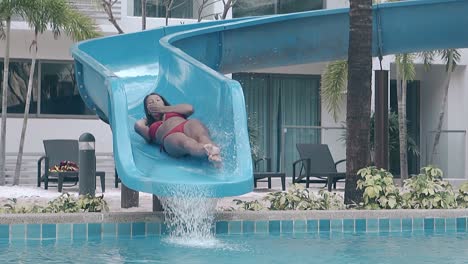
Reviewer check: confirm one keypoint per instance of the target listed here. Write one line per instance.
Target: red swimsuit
(177, 129)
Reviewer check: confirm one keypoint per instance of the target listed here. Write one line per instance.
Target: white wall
(452, 147)
(41, 128)
(51, 49)
(48, 48)
(331, 4)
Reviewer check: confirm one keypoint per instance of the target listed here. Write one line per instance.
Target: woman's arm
(142, 129)
(183, 109)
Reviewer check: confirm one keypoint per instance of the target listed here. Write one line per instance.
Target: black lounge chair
(56, 151)
(316, 162)
(268, 173)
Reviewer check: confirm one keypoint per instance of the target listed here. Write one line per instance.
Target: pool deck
(144, 213)
(132, 217)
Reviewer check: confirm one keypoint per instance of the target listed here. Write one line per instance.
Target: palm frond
(2, 30)
(80, 27)
(456, 56)
(406, 62)
(428, 58)
(334, 82)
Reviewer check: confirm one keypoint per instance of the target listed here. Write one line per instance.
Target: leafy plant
(12, 207)
(462, 197)
(379, 189)
(89, 203)
(428, 191)
(299, 198)
(393, 135)
(296, 198)
(249, 205)
(328, 201)
(252, 127)
(65, 203)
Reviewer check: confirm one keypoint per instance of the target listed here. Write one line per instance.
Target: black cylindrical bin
(87, 172)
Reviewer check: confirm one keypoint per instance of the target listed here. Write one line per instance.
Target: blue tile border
(235, 227)
(222, 227)
(139, 229)
(49, 231)
(274, 226)
(300, 226)
(312, 226)
(80, 231)
(4, 231)
(33, 231)
(94, 230)
(64, 231)
(261, 227)
(360, 225)
(248, 227)
(324, 225)
(287, 226)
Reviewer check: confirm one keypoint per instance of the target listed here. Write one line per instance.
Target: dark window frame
(38, 114)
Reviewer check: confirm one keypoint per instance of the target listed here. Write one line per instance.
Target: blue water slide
(187, 63)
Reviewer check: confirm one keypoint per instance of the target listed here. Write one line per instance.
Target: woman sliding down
(168, 126)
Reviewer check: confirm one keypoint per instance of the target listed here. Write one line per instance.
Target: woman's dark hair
(149, 118)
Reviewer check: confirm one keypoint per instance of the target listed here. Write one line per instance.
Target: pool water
(282, 248)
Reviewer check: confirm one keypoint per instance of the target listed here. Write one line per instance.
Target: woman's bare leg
(196, 130)
(178, 144)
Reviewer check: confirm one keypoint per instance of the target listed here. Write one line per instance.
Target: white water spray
(189, 216)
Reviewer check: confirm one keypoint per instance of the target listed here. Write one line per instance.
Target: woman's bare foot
(214, 153)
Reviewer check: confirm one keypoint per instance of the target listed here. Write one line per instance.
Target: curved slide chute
(187, 63)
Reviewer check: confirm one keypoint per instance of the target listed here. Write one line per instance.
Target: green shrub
(12, 207)
(462, 197)
(299, 198)
(428, 191)
(88, 203)
(379, 191)
(249, 205)
(65, 203)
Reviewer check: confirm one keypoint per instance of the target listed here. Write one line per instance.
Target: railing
(334, 137)
(91, 8)
(450, 155)
(104, 162)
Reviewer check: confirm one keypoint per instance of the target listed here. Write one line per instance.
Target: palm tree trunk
(227, 5)
(107, 6)
(26, 112)
(6, 67)
(143, 14)
(442, 110)
(359, 95)
(168, 10)
(401, 94)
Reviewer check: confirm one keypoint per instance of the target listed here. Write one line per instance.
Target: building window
(245, 8)
(18, 86)
(276, 101)
(59, 94)
(157, 8)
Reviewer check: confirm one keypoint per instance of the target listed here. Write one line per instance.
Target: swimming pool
(278, 237)
(322, 247)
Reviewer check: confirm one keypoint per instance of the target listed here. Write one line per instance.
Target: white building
(57, 111)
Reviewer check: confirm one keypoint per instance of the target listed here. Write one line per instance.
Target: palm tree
(405, 72)
(452, 57)
(8, 8)
(143, 14)
(59, 15)
(107, 6)
(359, 94)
